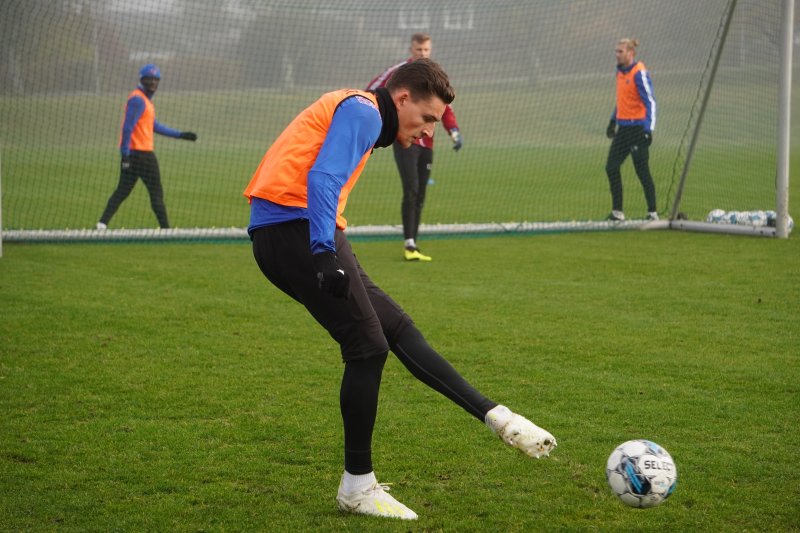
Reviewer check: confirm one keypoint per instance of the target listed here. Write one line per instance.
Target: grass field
(170, 388)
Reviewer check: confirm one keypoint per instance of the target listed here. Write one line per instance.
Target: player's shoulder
(360, 100)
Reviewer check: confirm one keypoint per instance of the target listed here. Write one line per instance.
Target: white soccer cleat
(519, 432)
(101, 226)
(374, 501)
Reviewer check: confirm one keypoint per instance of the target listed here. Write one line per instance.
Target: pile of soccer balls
(747, 218)
(641, 473)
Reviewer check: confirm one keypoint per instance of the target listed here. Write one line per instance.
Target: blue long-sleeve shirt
(133, 112)
(354, 129)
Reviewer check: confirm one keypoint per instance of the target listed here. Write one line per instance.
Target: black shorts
(364, 325)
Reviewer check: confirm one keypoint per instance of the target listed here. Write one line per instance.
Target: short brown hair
(423, 78)
(420, 38)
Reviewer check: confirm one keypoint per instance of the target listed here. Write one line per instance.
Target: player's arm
(166, 131)
(451, 125)
(353, 131)
(133, 112)
(645, 88)
(161, 129)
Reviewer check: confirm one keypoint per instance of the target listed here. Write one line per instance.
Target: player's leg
(151, 176)
(640, 153)
(407, 164)
(617, 153)
(424, 165)
(282, 252)
(427, 365)
(406, 160)
(127, 179)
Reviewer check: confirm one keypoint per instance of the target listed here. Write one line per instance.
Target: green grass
(170, 387)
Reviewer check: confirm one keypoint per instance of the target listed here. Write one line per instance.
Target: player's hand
(611, 130)
(188, 136)
(125, 163)
(331, 276)
(648, 138)
(458, 140)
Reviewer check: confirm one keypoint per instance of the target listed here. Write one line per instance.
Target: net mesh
(534, 83)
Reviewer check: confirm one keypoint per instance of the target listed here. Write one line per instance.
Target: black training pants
(366, 326)
(414, 164)
(630, 140)
(142, 165)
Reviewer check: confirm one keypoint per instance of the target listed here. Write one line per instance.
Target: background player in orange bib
(631, 128)
(138, 160)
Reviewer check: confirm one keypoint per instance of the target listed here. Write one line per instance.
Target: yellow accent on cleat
(415, 255)
(375, 501)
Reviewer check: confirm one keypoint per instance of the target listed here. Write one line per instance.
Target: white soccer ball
(641, 473)
(715, 216)
(772, 220)
(731, 217)
(753, 218)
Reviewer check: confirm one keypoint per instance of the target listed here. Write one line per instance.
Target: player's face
(420, 50)
(624, 56)
(417, 119)
(150, 84)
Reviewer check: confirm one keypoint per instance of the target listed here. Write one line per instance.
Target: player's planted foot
(519, 432)
(652, 215)
(373, 500)
(413, 254)
(616, 216)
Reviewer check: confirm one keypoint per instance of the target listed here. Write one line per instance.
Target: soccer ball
(641, 473)
(772, 220)
(731, 217)
(715, 215)
(755, 218)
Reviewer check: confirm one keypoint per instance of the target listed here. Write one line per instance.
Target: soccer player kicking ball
(298, 195)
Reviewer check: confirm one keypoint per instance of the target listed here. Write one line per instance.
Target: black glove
(648, 138)
(189, 136)
(611, 130)
(332, 277)
(125, 164)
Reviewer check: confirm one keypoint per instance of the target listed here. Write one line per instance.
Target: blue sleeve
(165, 130)
(645, 88)
(353, 131)
(133, 112)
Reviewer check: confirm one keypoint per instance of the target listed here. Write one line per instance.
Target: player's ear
(401, 96)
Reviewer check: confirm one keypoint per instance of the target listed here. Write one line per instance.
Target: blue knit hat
(149, 71)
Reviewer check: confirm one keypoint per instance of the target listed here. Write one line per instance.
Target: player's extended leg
(151, 176)
(427, 365)
(127, 179)
(617, 153)
(431, 368)
(641, 163)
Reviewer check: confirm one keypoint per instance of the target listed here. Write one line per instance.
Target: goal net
(535, 85)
